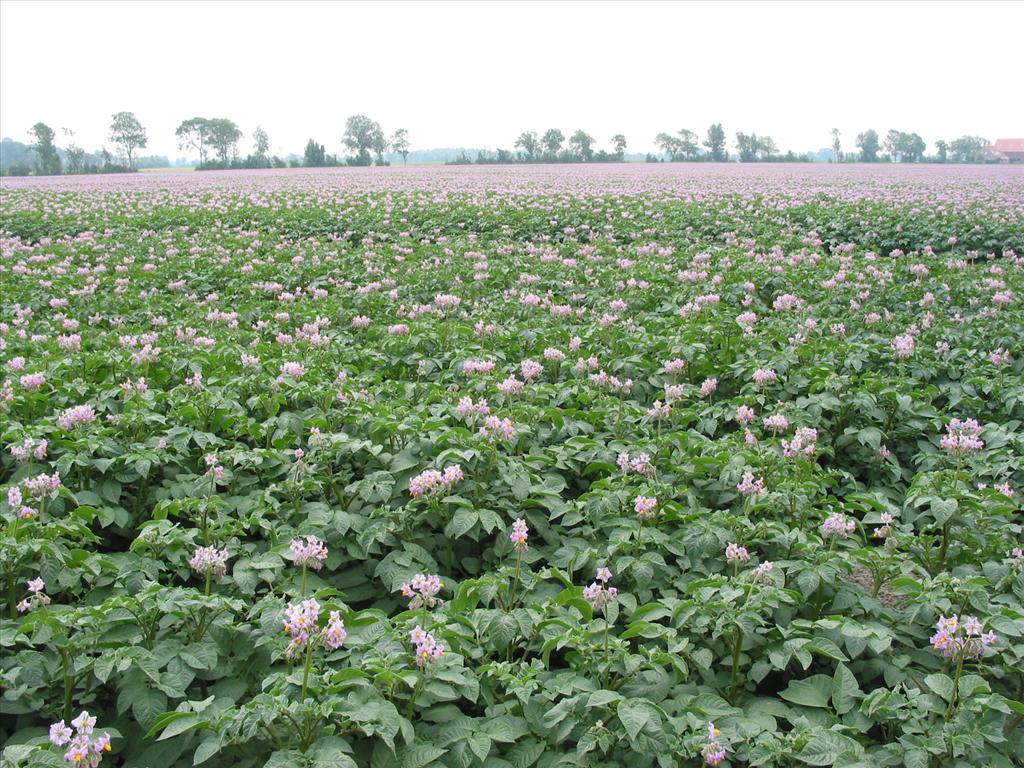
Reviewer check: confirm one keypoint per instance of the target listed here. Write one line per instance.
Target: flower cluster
(961, 438)
(16, 500)
(803, 444)
(519, 535)
(43, 486)
(300, 622)
(37, 598)
(76, 416)
(736, 555)
(422, 591)
(29, 448)
(598, 594)
(902, 346)
(886, 528)
(640, 464)
(959, 639)
(209, 560)
(84, 749)
(748, 486)
(310, 553)
(499, 429)
(644, 506)
(714, 751)
(838, 526)
(468, 410)
(432, 481)
(427, 649)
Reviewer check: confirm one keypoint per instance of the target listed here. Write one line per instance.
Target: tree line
(898, 146)
(216, 142)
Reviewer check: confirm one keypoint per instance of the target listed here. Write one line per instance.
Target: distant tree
(48, 163)
(528, 142)
(688, 144)
(670, 145)
(400, 143)
(127, 132)
(867, 142)
(837, 145)
(260, 145)
(912, 148)
(552, 142)
(904, 147)
(715, 143)
(581, 145)
(943, 150)
(194, 134)
(223, 138)
(766, 148)
(968, 149)
(619, 145)
(315, 155)
(75, 154)
(363, 134)
(747, 146)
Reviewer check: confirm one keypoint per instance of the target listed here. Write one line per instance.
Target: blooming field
(514, 467)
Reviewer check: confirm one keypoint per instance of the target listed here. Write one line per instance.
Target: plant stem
(306, 666)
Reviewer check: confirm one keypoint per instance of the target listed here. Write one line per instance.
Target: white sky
(477, 74)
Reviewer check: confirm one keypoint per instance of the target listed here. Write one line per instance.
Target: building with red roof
(1006, 151)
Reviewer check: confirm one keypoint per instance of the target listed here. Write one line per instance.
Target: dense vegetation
(595, 470)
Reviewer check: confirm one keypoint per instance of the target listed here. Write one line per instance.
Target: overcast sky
(477, 74)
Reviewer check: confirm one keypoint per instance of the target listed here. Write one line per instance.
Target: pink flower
(310, 553)
(519, 535)
(748, 486)
(644, 506)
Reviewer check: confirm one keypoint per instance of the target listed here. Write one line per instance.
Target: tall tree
(670, 145)
(968, 149)
(400, 143)
(48, 163)
(943, 149)
(688, 144)
(127, 132)
(715, 143)
(867, 142)
(260, 144)
(223, 138)
(619, 145)
(530, 145)
(363, 134)
(747, 145)
(581, 145)
(837, 145)
(315, 155)
(552, 142)
(194, 134)
(76, 155)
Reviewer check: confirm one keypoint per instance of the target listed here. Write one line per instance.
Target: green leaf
(634, 714)
(825, 748)
(603, 698)
(147, 705)
(420, 755)
(206, 750)
(462, 522)
(814, 691)
(940, 684)
(480, 745)
(845, 690)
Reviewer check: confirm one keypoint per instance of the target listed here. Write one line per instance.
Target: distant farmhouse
(1006, 151)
